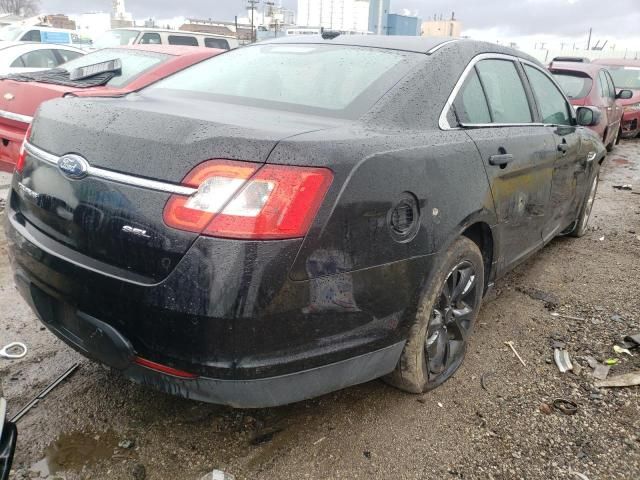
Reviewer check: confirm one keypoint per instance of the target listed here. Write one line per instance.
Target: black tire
(619, 137)
(420, 367)
(581, 224)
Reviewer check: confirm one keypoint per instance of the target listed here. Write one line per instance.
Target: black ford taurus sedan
(296, 216)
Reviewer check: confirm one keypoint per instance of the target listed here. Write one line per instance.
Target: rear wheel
(582, 222)
(444, 321)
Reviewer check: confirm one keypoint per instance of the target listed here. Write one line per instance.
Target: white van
(156, 36)
(22, 33)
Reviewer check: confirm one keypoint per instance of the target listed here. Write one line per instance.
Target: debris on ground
(568, 317)
(126, 444)
(624, 380)
(139, 472)
(600, 371)
(510, 345)
(218, 475)
(265, 435)
(619, 349)
(611, 361)
(562, 360)
(550, 300)
(623, 187)
(633, 339)
(546, 408)
(567, 407)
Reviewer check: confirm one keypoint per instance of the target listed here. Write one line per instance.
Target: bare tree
(25, 8)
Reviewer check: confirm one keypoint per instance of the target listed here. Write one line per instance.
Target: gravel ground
(490, 421)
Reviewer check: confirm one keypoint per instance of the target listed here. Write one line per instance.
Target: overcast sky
(511, 18)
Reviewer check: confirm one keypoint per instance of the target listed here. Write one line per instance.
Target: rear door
(494, 108)
(608, 99)
(569, 172)
(617, 109)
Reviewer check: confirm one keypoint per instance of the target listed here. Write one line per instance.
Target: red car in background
(590, 85)
(141, 66)
(626, 74)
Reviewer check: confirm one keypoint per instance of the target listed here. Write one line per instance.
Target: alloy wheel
(451, 320)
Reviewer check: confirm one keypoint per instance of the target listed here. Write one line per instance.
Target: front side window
(471, 104)
(37, 59)
(604, 86)
(504, 90)
(553, 107)
(338, 80)
(183, 40)
(151, 38)
(612, 88)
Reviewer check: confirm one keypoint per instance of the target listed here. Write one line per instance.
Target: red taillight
(241, 200)
(23, 151)
(158, 367)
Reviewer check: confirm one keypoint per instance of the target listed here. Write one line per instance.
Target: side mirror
(588, 116)
(624, 94)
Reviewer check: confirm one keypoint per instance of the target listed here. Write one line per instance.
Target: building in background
(378, 16)
(92, 24)
(347, 16)
(120, 18)
(240, 31)
(402, 25)
(59, 21)
(438, 27)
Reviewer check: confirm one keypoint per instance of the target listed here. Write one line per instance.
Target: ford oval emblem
(73, 166)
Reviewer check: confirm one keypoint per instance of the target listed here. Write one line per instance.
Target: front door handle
(501, 160)
(564, 148)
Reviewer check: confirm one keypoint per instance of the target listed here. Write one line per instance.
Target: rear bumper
(631, 124)
(251, 335)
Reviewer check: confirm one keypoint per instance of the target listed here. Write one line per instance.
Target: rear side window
(151, 38)
(505, 93)
(37, 59)
(216, 43)
(31, 36)
(470, 104)
(68, 55)
(183, 40)
(575, 86)
(553, 107)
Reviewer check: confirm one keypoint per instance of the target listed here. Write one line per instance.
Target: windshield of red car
(575, 85)
(134, 63)
(625, 77)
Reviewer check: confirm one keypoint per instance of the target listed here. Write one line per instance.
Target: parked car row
(612, 86)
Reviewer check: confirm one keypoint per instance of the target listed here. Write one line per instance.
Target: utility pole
(252, 5)
(589, 41)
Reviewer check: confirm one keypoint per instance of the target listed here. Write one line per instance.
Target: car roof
(618, 62)
(390, 42)
(178, 50)
(590, 69)
(166, 30)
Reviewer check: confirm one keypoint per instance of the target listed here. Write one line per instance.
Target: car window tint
(37, 59)
(31, 36)
(505, 93)
(575, 86)
(216, 43)
(68, 55)
(552, 104)
(471, 104)
(151, 38)
(183, 40)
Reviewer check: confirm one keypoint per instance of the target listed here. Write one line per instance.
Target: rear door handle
(563, 147)
(501, 160)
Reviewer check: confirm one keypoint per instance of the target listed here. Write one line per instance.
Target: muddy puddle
(72, 451)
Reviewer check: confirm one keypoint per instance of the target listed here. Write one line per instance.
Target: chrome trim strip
(115, 176)
(16, 116)
(440, 45)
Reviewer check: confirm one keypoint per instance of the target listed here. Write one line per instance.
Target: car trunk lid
(138, 152)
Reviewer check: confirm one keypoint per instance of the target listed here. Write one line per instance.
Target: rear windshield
(341, 81)
(625, 77)
(116, 38)
(134, 62)
(575, 86)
